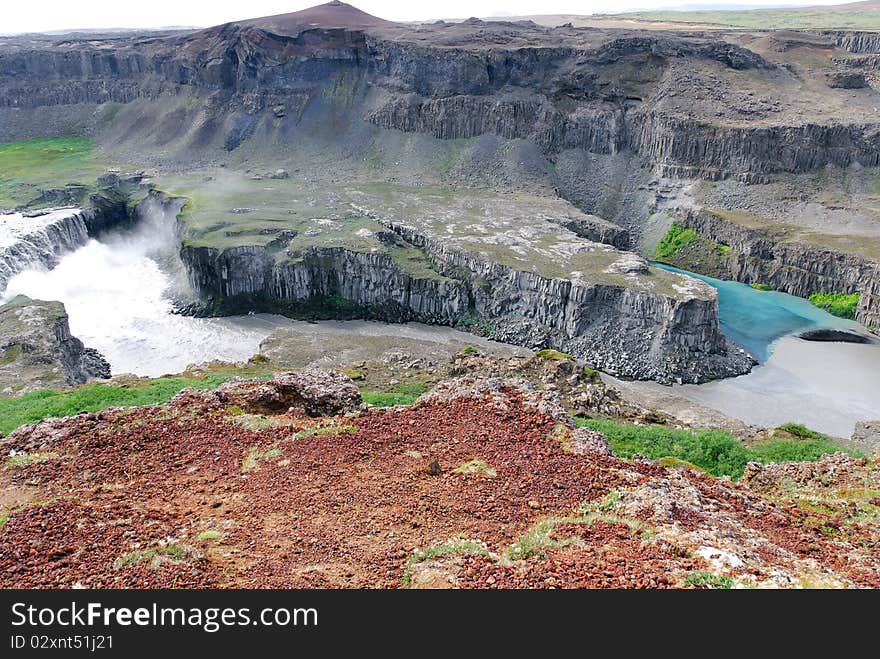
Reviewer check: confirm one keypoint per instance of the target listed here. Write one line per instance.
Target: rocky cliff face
(600, 91)
(633, 333)
(855, 42)
(792, 267)
(336, 280)
(37, 349)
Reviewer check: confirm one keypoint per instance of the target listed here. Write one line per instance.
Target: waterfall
(28, 242)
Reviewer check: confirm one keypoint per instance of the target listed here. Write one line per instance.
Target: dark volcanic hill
(330, 15)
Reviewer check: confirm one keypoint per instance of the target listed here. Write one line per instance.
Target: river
(826, 386)
(119, 301)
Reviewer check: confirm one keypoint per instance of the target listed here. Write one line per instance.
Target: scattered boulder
(502, 392)
(311, 392)
(584, 441)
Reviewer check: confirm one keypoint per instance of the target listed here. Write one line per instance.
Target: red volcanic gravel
(609, 556)
(335, 510)
(62, 544)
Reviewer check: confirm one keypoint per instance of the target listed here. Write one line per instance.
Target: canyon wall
(792, 267)
(632, 333)
(604, 97)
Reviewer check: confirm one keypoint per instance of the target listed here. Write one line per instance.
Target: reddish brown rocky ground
(197, 494)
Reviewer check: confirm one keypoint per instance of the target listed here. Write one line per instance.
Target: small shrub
(469, 350)
(761, 287)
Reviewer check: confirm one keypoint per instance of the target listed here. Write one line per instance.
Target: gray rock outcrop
(37, 349)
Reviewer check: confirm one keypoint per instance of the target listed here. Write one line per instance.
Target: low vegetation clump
(476, 467)
(761, 287)
(404, 393)
(553, 355)
(206, 536)
(701, 579)
(675, 239)
(540, 537)
(713, 451)
(45, 403)
(154, 555)
(464, 547)
(837, 304)
(325, 430)
(24, 459)
(255, 455)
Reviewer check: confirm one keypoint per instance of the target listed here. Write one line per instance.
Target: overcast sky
(44, 15)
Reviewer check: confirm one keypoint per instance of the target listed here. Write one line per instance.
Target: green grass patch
(10, 354)
(797, 430)
(404, 393)
(469, 350)
(761, 287)
(677, 463)
(26, 167)
(476, 467)
(553, 355)
(714, 451)
(254, 456)
(45, 403)
(837, 304)
(205, 536)
(538, 539)
(676, 238)
(438, 551)
(154, 555)
(24, 459)
(702, 579)
(795, 450)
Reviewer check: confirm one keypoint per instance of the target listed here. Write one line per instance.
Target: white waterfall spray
(119, 300)
(27, 242)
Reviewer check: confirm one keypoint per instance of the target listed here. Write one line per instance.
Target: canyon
(534, 279)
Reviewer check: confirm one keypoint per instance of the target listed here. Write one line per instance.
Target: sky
(47, 15)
